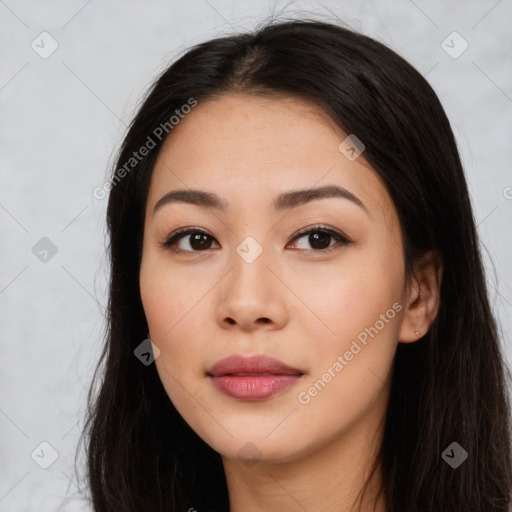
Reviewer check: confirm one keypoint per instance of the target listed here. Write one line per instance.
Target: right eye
(200, 241)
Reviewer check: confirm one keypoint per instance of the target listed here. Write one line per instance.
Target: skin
(205, 305)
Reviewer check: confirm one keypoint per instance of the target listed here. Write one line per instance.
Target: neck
(326, 479)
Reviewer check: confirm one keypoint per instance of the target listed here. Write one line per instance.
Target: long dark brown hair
(450, 386)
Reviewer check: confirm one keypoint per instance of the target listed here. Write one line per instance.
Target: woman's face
(256, 276)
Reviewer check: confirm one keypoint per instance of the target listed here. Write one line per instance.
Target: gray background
(63, 118)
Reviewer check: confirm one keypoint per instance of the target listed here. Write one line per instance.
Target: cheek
(179, 314)
(166, 298)
(342, 300)
(176, 318)
(171, 311)
(355, 326)
(350, 366)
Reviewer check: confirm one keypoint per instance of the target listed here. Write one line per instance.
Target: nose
(252, 296)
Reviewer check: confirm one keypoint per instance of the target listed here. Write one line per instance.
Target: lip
(252, 378)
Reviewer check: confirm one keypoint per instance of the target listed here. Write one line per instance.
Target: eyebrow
(285, 201)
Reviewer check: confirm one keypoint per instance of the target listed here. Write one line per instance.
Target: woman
(298, 315)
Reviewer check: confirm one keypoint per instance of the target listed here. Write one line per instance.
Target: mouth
(252, 378)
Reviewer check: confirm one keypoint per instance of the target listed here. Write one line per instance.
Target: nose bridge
(251, 291)
(250, 249)
(250, 261)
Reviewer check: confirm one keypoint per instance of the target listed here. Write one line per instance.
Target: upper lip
(252, 365)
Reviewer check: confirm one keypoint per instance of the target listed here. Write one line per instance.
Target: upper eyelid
(190, 230)
(187, 231)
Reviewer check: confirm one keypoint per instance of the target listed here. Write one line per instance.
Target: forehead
(251, 148)
(249, 132)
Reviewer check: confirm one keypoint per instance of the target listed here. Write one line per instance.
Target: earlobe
(423, 299)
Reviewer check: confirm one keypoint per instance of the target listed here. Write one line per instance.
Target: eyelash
(170, 241)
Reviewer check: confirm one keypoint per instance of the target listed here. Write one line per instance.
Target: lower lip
(257, 387)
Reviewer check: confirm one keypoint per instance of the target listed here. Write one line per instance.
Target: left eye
(319, 239)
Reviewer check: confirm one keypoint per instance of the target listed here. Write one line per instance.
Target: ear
(423, 298)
